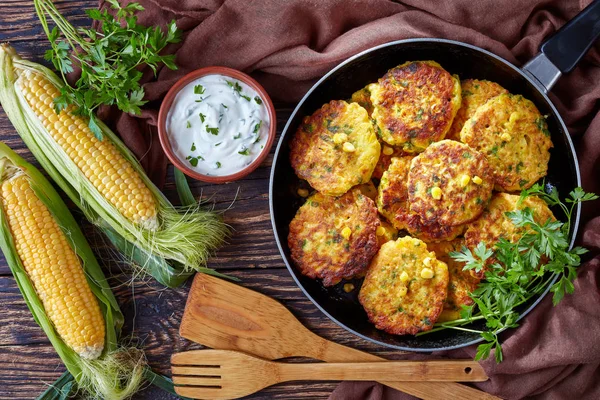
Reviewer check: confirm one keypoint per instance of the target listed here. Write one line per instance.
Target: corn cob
(104, 179)
(62, 282)
(100, 161)
(53, 268)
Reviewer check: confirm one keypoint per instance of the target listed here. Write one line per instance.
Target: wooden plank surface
(28, 362)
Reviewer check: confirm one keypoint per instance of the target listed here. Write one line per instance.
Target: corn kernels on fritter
(385, 232)
(405, 287)
(449, 183)
(334, 238)
(513, 135)
(335, 148)
(414, 104)
(475, 93)
(392, 199)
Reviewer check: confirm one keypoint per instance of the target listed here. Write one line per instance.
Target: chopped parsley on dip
(217, 125)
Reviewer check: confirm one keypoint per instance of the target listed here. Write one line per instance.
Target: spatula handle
(448, 371)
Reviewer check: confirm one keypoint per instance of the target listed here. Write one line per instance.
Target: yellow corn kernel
(436, 192)
(340, 138)
(388, 151)
(426, 273)
(73, 135)
(349, 147)
(53, 268)
(402, 291)
(477, 180)
(346, 233)
(380, 231)
(404, 277)
(506, 137)
(302, 192)
(427, 261)
(464, 180)
(348, 287)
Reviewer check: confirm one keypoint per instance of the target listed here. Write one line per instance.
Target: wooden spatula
(226, 374)
(223, 315)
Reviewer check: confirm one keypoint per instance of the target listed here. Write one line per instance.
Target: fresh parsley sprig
(515, 272)
(551, 197)
(109, 59)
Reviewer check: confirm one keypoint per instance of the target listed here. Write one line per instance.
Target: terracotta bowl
(166, 106)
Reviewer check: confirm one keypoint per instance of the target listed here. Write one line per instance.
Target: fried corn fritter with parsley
(510, 131)
(392, 197)
(494, 224)
(392, 203)
(461, 282)
(385, 232)
(363, 98)
(335, 148)
(405, 287)
(369, 190)
(385, 158)
(449, 183)
(475, 93)
(334, 238)
(431, 231)
(414, 104)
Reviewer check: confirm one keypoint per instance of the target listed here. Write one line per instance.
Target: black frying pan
(559, 54)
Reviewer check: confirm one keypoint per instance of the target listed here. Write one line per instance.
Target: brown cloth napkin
(287, 45)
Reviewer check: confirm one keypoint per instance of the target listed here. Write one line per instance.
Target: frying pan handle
(562, 51)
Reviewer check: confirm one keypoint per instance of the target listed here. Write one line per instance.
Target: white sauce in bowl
(217, 125)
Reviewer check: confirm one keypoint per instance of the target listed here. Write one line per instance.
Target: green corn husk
(185, 238)
(118, 372)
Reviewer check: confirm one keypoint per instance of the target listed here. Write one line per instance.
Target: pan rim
(284, 132)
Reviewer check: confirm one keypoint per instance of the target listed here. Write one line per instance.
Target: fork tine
(199, 392)
(197, 380)
(195, 370)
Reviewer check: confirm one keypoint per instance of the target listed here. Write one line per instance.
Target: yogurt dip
(217, 125)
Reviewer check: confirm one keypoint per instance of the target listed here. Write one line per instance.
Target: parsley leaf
(257, 127)
(472, 261)
(214, 131)
(541, 124)
(237, 88)
(199, 89)
(109, 59)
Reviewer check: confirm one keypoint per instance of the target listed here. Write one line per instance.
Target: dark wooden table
(28, 363)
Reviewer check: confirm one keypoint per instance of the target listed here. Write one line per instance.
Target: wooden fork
(227, 374)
